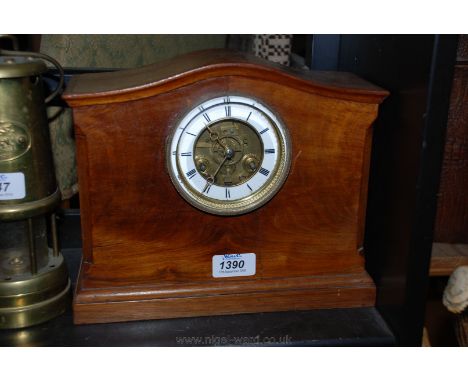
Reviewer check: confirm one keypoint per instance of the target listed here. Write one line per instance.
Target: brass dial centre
(233, 145)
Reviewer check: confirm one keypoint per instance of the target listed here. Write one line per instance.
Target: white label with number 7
(12, 186)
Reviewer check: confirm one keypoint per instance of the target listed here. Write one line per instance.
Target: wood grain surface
(451, 224)
(462, 51)
(111, 87)
(148, 253)
(447, 257)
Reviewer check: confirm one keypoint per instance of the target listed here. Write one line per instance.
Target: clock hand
(215, 137)
(211, 178)
(228, 154)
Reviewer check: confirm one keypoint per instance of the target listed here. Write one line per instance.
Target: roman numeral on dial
(191, 173)
(228, 193)
(186, 154)
(207, 188)
(269, 151)
(264, 171)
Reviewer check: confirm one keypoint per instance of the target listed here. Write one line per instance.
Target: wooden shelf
(446, 257)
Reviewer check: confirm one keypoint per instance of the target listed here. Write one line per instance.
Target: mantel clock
(218, 183)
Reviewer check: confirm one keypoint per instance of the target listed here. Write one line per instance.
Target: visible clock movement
(229, 155)
(219, 183)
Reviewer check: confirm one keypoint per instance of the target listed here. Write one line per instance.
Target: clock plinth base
(135, 303)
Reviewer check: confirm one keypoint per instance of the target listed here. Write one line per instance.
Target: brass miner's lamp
(34, 282)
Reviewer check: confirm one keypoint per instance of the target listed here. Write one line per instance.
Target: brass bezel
(251, 202)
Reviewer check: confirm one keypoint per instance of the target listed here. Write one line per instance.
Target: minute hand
(212, 178)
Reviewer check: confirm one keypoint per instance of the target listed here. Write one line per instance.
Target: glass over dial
(229, 155)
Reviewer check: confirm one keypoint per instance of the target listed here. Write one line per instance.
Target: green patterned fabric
(123, 51)
(106, 51)
(63, 149)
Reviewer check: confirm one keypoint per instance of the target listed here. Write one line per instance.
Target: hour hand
(211, 178)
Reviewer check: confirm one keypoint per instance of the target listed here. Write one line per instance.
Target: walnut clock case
(218, 183)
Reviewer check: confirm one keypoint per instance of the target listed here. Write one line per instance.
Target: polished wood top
(131, 84)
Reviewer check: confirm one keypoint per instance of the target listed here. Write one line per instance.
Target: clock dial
(229, 155)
